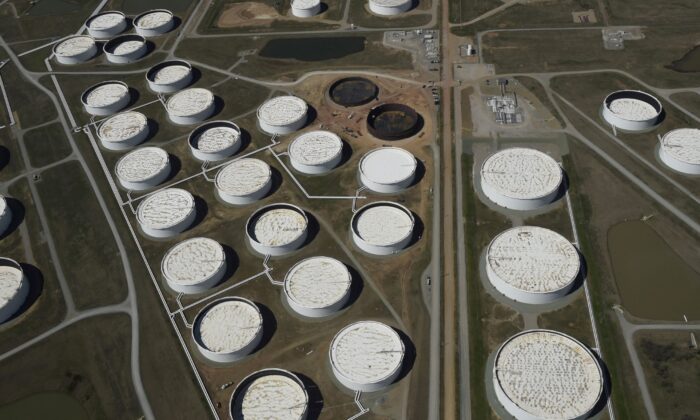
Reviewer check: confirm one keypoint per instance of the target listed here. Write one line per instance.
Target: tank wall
(157, 31)
(380, 249)
(195, 118)
(78, 59)
(127, 58)
(232, 356)
(386, 188)
(389, 11)
(318, 312)
(108, 32)
(248, 198)
(283, 129)
(276, 251)
(628, 125)
(366, 387)
(171, 87)
(104, 111)
(517, 203)
(173, 230)
(678, 165)
(191, 289)
(14, 304)
(215, 156)
(519, 295)
(316, 169)
(304, 13)
(149, 183)
(127, 144)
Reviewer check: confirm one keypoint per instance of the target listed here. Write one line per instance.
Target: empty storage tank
(75, 49)
(194, 265)
(277, 229)
(521, 179)
(367, 356)
(106, 25)
(317, 286)
(532, 264)
(169, 76)
(125, 49)
(190, 106)
(106, 98)
(166, 213)
(244, 181)
(215, 140)
(283, 115)
(543, 374)
(382, 228)
(270, 394)
(316, 152)
(143, 168)
(154, 22)
(680, 150)
(123, 131)
(5, 215)
(388, 169)
(14, 288)
(228, 329)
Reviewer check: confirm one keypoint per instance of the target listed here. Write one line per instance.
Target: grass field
(46, 145)
(688, 100)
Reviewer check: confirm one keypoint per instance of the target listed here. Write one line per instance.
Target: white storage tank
(106, 25)
(543, 374)
(215, 140)
(306, 8)
(5, 215)
(316, 152)
(125, 49)
(367, 356)
(277, 229)
(123, 131)
(244, 181)
(154, 22)
(680, 150)
(532, 264)
(166, 213)
(194, 265)
(317, 286)
(382, 228)
(190, 106)
(143, 168)
(390, 7)
(388, 169)
(270, 394)
(632, 110)
(521, 179)
(283, 115)
(14, 288)
(228, 329)
(106, 98)
(75, 49)
(169, 76)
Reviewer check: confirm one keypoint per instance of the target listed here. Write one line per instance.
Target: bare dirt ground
(247, 14)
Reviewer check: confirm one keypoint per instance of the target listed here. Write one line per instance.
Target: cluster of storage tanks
(310, 8)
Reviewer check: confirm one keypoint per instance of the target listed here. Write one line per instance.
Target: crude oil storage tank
(283, 115)
(544, 374)
(215, 140)
(394, 122)
(316, 152)
(75, 49)
(367, 356)
(317, 286)
(270, 394)
(143, 168)
(382, 228)
(125, 49)
(14, 288)
(390, 7)
(194, 265)
(106, 25)
(521, 179)
(532, 264)
(190, 106)
(306, 8)
(169, 76)
(277, 229)
(5, 215)
(154, 22)
(166, 213)
(228, 329)
(388, 169)
(106, 98)
(353, 91)
(632, 110)
(123, 131)
(244, 181)
(680, 150)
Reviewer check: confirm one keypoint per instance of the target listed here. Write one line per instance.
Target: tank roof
(683, 144)
(217, 138)
(390, 3)
(11, 279)
(142, 164)
(122, 126)
(548, 374)
(632, 109)
(316, 147)
(282, 110)
(243, 176)
(229, 325)
(388, 165)
(193, 261)
(166, 208)
(305, 4)
(171, 73)
(317, 282)
(367, 352)
(74, 45)
(384, 224)
(127, 46)
(274, 396)
(190, 102)
(106, 20)
(533, 259)
(105, 94)
(522, 173)
(279, 226)
(3, 205)
(153, 19)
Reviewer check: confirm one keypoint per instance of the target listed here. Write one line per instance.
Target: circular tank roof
(522, 173)
(193, 261)
(384, 224)
(142, 164)
(388, 165)
(229, 325)
(270, 394)
(305, 4)
(153, 19)
(123, 126)
(189, 102)
(533, 259)
(217, 137)
(282, 110)
(683, 144)
(74, 46)
(317, 282)
(106, 20)
(165, 208)
(170, 73)
(125, 45)
(105, 94)
(279, 226)
(548, 374)
(367, 352)
(316, 147)
(390, 3)
(11, 279)
(243, 176)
